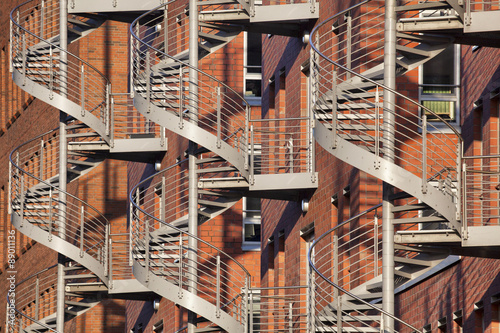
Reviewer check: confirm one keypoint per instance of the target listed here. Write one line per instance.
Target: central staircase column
(193, 178)
(63, 154)
(389, 129)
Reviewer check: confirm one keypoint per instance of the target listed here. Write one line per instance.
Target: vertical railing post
(218, 118)
(375, 244)
(162, 136)
(146, 244)
(334, 109)
(130, 231)
(290, 150)
(217, 299)
(252, 180)
(107, 249)
(465, 233)
(50, 214)
(42, 143)
(424, 153)
(22, 200)
(459, 183)
(247, 119)
(180, 292)
(377, 128)
(252, 8)
(24, 55)
(82, 90)
(51, 73)
(37, 297)
(467, 12)
(162, 199)
(110, 244)
(336, 294)
(148, 81)
(108, 115)
(348, 18)
(82, 222)
(42, 18)
(250, 312)
(181, 97)
(290, 318)
(112, 121)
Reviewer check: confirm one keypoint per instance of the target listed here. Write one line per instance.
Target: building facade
(299, 167)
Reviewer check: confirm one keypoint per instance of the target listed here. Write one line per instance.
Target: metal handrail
(311, 256)
(415, 138)
(158, 203)
(87, 86)
(40, 158)
(406, 98)
(29, 299)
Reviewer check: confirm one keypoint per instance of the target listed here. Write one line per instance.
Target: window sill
(250, 247)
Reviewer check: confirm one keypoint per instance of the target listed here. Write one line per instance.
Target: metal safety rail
(348, 102)
(31, 306)
(161, 83)
(165, 262)
(279, 309)
(343, 260)
(128, 123)
(37, 68)
(32, 303)
(281, 146)
(40, 214)
(481, 191)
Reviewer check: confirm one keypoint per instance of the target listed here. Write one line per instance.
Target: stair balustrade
(160, 247)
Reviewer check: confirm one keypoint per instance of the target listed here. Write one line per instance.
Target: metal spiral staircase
(238, 156)
(227, 161)
(97, 264)
(440, 192)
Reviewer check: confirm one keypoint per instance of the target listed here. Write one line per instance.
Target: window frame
(452, 97)
(250, 245)
(252, 100)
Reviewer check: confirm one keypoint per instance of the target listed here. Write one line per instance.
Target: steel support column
(193, 178)
(389, 123)
(63, 158)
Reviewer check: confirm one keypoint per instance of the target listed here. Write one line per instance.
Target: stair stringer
(185, 299)
(192, 132)
(387, 172)
(60, 102)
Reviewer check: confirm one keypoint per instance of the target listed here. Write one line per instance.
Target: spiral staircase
(228, 165)
(439, 192)
(239, 156)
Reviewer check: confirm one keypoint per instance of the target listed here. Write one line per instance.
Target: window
(253, 67)
(439, 88)
(251, 224)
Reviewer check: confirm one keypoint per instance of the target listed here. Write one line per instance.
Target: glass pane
(254, 50)
(253, 204)
(252, 232)
(252, 88)
(445, 109)
(440, 69)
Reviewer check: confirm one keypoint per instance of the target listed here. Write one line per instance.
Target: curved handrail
(349, 74)
(86, 86)
(325, 301)
(33, 305)
(160, 242)
(35, 199)
(406, 98)
(161, 79)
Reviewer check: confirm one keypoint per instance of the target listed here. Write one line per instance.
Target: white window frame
(453, 97)
(252, 100)
(250, 245)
